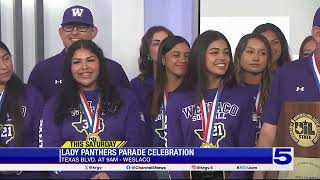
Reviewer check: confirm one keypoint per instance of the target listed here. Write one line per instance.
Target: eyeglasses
(81, 28)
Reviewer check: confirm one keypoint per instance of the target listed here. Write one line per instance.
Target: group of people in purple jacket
(197, 95)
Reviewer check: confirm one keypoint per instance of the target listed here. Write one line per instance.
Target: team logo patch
(161, 123)
(7, 132)
(24, 111)
(83, 126)
(77, 12)
(304, 130)
(58, 81)
(299, 89)
(219, 133)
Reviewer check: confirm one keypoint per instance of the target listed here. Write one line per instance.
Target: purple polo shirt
(47, 75)
(293, 81)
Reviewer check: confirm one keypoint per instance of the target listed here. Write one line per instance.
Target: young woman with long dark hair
(278, 42)
(89, 106)
(143, 84)
(20, 112)
(253, 62)
(216, 113)
(307, 47)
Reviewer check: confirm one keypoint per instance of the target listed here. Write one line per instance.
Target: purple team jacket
(155, 127)
(235, 127)
(127, 124)
(32, 105)
(47, 75)
(143, 90)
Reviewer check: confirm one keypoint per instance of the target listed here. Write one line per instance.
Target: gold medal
(93, 119)
(93, 137)
(207, 145)
(208, 115)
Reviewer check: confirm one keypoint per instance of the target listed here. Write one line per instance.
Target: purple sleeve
(272, 107)
(117, 75)
(35, 77)
(36, 113)
(175, 136)
(51, 132)
(137, 88)
(124, 81)
(135, 122)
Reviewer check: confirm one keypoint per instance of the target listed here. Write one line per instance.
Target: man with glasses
(77, 24)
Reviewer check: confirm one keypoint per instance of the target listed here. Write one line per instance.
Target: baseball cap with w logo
(77, 14)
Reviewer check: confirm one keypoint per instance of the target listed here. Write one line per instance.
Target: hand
(102, 175)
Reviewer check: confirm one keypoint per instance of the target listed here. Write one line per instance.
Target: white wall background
(28, 16)
(6, 24)
(235, 27)
(300, 13)
(127, 29)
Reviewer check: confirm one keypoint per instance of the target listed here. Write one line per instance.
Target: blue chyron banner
(171, 158)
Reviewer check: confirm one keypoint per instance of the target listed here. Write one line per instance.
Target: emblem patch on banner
(304, 130)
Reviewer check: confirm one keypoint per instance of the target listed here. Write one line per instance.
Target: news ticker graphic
(146, 159)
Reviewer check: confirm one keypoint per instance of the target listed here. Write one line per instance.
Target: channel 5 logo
(282, 156)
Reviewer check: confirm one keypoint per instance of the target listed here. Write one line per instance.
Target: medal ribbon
(207, 122)
(94, 119)
(316, 69)
(165, 100)
(1, 99)
(258, 104)
(164, 120)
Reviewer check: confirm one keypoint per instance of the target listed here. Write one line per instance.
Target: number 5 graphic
(282, 156)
